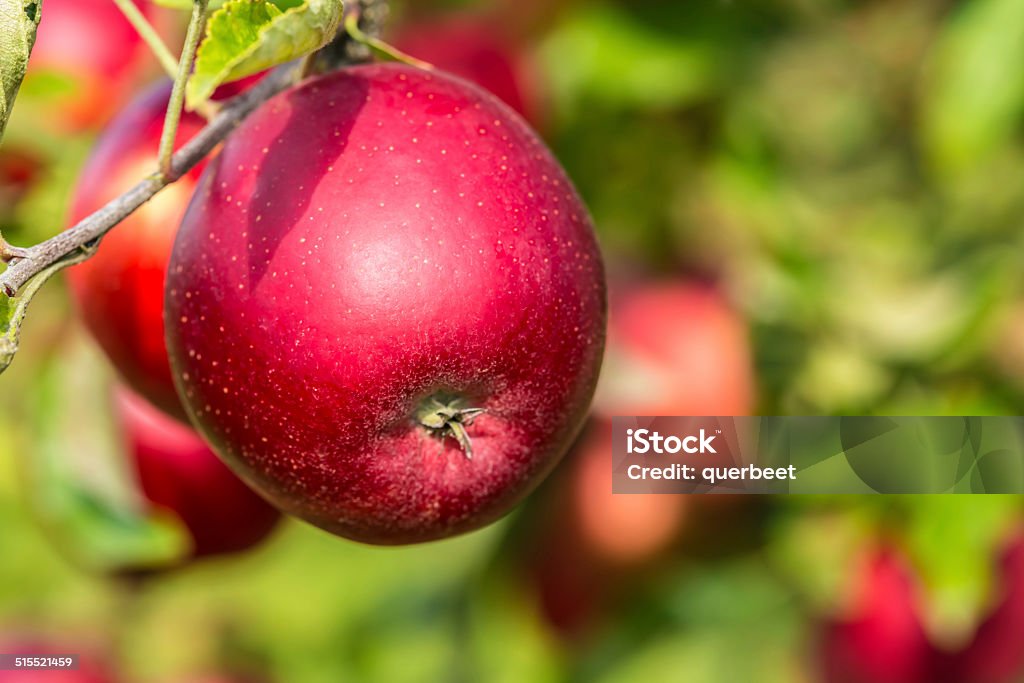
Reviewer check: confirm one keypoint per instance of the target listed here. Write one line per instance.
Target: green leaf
(19, 20)
(13, 308)
(975, 95)
(582, 56)
(78, 479)
(245, 37)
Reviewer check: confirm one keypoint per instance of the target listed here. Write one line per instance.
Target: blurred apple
(996, 653)
(881, 639)
(571, 592)
(619, 529)
(178, 473)
(594, 540)
(477, 50)
(120, 290)
(19, 169)
(675, 348)
(85, 60)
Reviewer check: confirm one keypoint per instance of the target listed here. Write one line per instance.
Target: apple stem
(450, 418)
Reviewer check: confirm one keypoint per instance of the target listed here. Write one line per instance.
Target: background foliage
(850, 174)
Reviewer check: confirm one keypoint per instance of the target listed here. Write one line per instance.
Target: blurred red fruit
(476, 50)
(570, 590)
(180, 474)
(120, 290)
(996, 654)
(675, 348)
(882, 640)
(19, 170)
(86, 56)
(620, 529)
(596, 537)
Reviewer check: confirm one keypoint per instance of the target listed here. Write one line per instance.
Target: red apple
(374, 258)
(618, 528)
(591, 541)
(89, 54)
(120, 290)
(19, 170)
(996, 653)
(881, 639)
(179, 474)
(675, 348)
(475, 49)
(572, 592)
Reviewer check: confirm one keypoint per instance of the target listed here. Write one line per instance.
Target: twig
(25, 263)
(36, 258)
(174, 107)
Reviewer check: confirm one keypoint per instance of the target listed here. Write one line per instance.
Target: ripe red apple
(477, 50)
(617, 528)
(996, 653)
(179, 474)
(120, 290)
(675, 348)
(385, 305)
(86, 56)
(882, 639)
(591, 542)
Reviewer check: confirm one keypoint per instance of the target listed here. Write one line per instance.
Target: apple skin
(474, 49)
(90, 44)
(179, 473)
(365, 243)
(882, 640)
(120, 290)
(675, 347)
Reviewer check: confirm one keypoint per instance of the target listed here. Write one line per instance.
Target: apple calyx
(447, 416)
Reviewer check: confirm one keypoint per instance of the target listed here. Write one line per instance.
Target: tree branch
(35, 259)
(25, 263)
